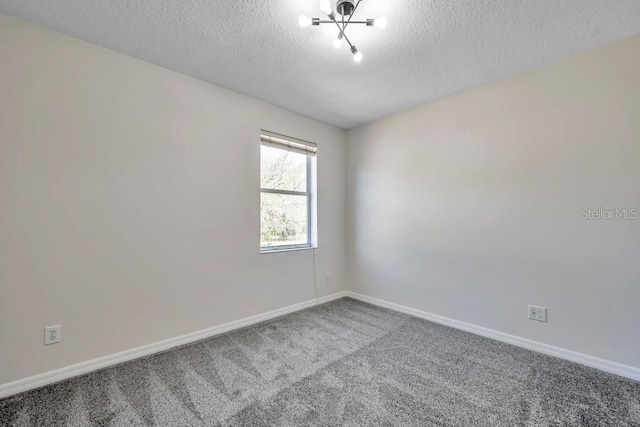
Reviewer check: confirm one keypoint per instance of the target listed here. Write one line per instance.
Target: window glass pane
(283, 220)
(283, 170)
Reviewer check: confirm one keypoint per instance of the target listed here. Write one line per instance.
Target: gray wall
(470, 207)
(130, 203)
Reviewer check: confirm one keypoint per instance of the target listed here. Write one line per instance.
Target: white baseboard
(51, 377)
(573, 356)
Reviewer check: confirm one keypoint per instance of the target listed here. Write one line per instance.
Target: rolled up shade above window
(289, 143)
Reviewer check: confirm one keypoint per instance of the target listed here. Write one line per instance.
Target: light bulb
(357, 56)
(325, 6)
(337, 42)
(304, 21)
(380, 22)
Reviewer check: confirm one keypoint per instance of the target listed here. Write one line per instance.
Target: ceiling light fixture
(346, 9)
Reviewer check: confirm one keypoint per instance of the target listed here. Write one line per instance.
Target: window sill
(279, 250)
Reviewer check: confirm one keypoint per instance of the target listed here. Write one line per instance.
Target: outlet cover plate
(52, 334)
(538, 313)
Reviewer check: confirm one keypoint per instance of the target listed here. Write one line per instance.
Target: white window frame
(287, 143)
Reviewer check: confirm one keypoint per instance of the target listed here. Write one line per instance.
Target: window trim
(309, 194)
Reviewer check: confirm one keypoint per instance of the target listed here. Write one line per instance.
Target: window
(287, 185)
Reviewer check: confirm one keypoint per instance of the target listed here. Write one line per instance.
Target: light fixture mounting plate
(345, 7)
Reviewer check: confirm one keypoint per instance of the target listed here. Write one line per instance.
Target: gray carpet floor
(345, 363)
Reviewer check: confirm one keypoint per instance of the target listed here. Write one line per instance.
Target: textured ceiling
(430, 48)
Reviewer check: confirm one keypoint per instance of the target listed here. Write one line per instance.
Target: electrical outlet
(51, 334)
(538, 313)
(328, 278)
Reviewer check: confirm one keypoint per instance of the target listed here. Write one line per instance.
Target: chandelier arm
(351, 16)
(342, 32)
(327, 21)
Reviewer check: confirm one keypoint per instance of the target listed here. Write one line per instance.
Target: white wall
(470, 207)
(130, 203)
